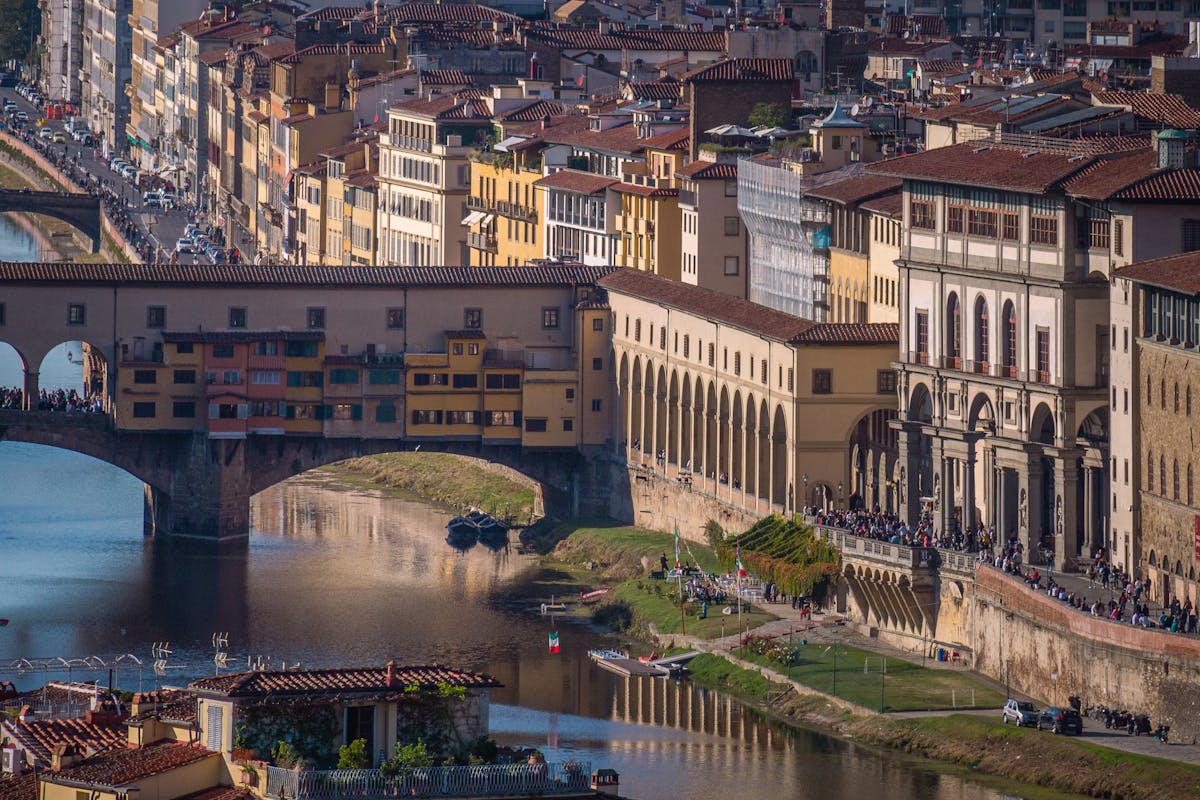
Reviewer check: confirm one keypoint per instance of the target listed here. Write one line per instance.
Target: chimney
(64, 756)
(497, 31)
(26, 714)
(545, 122)
(333, 96)
(391, 675)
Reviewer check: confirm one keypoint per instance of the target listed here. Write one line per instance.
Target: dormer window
(594, 124)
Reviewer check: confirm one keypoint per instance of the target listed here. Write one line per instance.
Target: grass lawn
(715, 672)
(609, 542)
(839, 670)
(663, 610)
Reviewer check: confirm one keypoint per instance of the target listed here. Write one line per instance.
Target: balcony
(687, 198)
(410, 143)
(952, 362)
(481, 241)
(516, 211)
(478, 204)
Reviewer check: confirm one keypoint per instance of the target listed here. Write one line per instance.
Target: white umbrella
(730, 130)
(763, 133)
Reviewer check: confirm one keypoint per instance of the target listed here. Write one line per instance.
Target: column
(1029, 504)
(627, 401)
(909, 447)
(968, 486)
(674, 423)
(1089, 508)
(1066, 512)
(944, 497)
(650, 423)
(29, 401)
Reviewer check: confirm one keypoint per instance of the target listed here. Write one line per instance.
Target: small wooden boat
(594, 595)
(463, 533)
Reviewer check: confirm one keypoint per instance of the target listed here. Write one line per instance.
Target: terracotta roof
(214, 58)
(202, 29)
(295, 118)
(220, 793)
(850, 333)
(1166, 45)
(768, 70)
(665, 89)
(172, 706)
(363, 179)
(465, 334)
(241, 337)
(940, 66)
(635, 40)
(41, 737)
(916, 24)
(120, 767)
(890, 204)
(1103, 178)
(621, 139)
(534, 112)
(572, 181)
(992, 166)
(342, 13)
(1170, 109)
(276, 50)
(333, 49)
(854, 190)
(707, 304)
(701, 170)
(309, 682)
(447, 107)
(897, 47)
(674, 139)
(1166, 186)
(1179, 272)
(445, 12)
(282, 275)
(22, 787)
(644, 191)
(385, 77)
(445, 77)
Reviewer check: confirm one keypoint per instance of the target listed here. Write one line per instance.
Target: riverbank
(453, 482)
(979, 743)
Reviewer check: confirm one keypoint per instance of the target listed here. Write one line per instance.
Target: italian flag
(553, 641)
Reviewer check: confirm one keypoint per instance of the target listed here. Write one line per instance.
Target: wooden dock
(633, 668)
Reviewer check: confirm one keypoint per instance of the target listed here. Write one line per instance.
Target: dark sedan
(1060, 720)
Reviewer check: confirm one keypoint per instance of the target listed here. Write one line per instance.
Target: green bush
(354, 755)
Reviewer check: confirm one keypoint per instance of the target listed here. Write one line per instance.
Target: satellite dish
(906, 34)
(869, 101)
(854, 110)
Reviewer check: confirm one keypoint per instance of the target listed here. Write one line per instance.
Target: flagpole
(739, 583)
(679, 581)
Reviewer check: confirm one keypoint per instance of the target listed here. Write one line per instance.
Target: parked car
(129, 172)
(1020, 713)
(9, 106)
(185, 245)
(22, 116)
(1060, 720)
(59, 137)
(45, 133)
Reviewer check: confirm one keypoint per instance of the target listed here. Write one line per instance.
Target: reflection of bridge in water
(683, 705)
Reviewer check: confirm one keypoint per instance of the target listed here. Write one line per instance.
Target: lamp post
(839, 491)
(804, 480)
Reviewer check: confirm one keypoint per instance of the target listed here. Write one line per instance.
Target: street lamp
(839, 490)
(804, 480)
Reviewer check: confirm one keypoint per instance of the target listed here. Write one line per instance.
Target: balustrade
(483, 780)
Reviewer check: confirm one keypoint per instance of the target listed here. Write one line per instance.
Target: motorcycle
(1161, 732)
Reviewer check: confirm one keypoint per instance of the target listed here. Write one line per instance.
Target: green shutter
(291, 412)
(356, 411)
(293, 379)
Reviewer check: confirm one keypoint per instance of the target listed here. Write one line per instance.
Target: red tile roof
(854, 190)
(890, 204)
(344, 681)
(333, 49)
(573, 181)
(850, 333)
(622, 139)
(762, 70)
(992, 166)
(172, 706)
(1166, 186)
(707, 304)
(220, 793)
(446, 12)
(20, 272)
(22, 787)
(332, 13)
(445, 77)
(1178, 272)
(1170, 109)
(1167, 45)
(534, 112)
(644, 191)
(241, 337)
(41, 737)
(677, 139)
(916, 25)
(665, 89)
(655, 39)
(120, 767)
(447, 107)
(1102, 178)
(701, 170)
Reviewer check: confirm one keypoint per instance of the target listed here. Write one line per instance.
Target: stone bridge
(200, 487)
(901, 591)
(79, 210)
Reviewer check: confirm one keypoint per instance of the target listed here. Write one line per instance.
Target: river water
(335, 576)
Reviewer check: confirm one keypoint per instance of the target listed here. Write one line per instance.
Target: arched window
(954, 331)
(981, 335)
(1175, 479)
(1009, 339)
(1162, 475)
(1150, 471)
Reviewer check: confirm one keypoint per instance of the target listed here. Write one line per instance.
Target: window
(306, 379)
(237, 317)
(316, 318)
(184, 376)
(1008, 337)
(568, 425)
(222, 351)
(535, 425)
(395, 318)
(597, 405)
(954, 332)
(1175, 479)
(791, 384)
(731, 265)
(1043, 355)
(464, 417)
(598, 324)
(954, 219)
(385, 411)
(456, 349)
(737, 363)
(1, 313)
(156, 316)
(1010, 226)
(502, 418)
(763, 371)
(982, 351)
(569, 394)
(731, 188)
(76, 314)
(183, 409)
(1162, 476)
(143, 410)
(145, 376)
(712, 355)
(472, 318)
(982, 223)
(1098, 229)
(885, 381)
(822, 381)
(1150, 471)
(733, 226)
(550, 317)
(662, 338)
(637, 330)
(266, 348)
(302, 349)
(924, 215)
(1043, 226)
(503, 381)
(383, 377)
(343, 376)
(1191, 235)
(922, 342)
(467, 380)
(430, 379)
(1190, 495)
(264, 377)
(427, 418)
(1118, 237)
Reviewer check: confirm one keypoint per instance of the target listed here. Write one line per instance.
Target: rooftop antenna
(220, 642)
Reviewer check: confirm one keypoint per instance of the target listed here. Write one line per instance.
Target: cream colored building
(713, 239)
(756, 408)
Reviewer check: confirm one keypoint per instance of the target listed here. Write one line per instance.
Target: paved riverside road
(162, 228)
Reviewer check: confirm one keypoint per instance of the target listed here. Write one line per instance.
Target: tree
(768, 115)
(354, 755)
(20, 22)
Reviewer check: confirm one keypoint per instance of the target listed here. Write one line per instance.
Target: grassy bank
(447, 480)
(623, 556)
(980, 745)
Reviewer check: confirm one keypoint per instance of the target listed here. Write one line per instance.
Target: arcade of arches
(982, 457)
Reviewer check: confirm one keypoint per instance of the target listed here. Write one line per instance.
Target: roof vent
(1073, 159)
(1029, 153)
(979, 150)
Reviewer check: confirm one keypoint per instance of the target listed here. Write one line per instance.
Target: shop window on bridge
(430, 379)
(464, 417)
(472, 318)
(342, 377)
(385, 412)
(535, 424)
(384, 377)
(266, 348)
(144, 376)
(316, 318)
(395, 318)
(505, 419)
(264, 377)
(347, 411)
(237, 317)
(228, 410)
(76, 314)
(184, 376)
(503, 382)
(184, 348)
(144, 410)
(302, 349)
(156, 316)
(183, 409)
(466, 381)
(427, 418)
(222, 351)
(305, 379)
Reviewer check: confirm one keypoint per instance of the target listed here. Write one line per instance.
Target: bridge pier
(29, 400)
(209, 493)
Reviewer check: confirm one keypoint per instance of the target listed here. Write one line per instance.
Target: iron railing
(484, 780)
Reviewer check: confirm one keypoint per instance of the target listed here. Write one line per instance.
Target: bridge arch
(80, 211)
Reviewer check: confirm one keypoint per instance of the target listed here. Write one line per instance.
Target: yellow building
(648, 227)
(311, 220)
(886, 214)
(162, 389)
(504, 208)
(360, 219)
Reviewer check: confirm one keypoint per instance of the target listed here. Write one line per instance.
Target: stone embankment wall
(1049, 651)
(651, 500)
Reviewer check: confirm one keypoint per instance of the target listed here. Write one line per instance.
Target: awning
(487, 219)
(504, 144)
(472, 218)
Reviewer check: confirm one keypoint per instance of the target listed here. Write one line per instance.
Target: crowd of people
(59, 400)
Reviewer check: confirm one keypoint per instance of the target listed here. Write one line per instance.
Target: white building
(62, 49)
(105, 70)
(579, 223)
